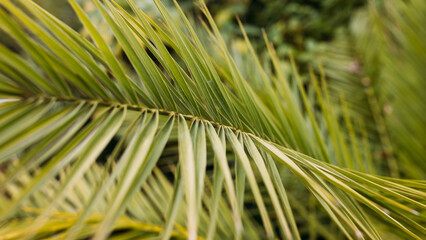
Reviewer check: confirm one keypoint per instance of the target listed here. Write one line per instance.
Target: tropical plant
(380, 67)
(180, 143)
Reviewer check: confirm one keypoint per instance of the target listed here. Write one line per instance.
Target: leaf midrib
(135, 107)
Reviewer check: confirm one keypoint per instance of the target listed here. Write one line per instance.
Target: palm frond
(195, 153)
(367, 67)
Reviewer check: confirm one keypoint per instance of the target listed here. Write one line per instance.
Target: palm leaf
(366, 67)
(199, 154)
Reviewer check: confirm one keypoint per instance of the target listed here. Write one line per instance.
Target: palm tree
(179, 143)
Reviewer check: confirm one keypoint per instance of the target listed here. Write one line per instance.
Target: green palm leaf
(198, 150)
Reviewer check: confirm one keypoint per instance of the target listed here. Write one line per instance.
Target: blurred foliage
(290, 25)
(378, 64)
(392, 47)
